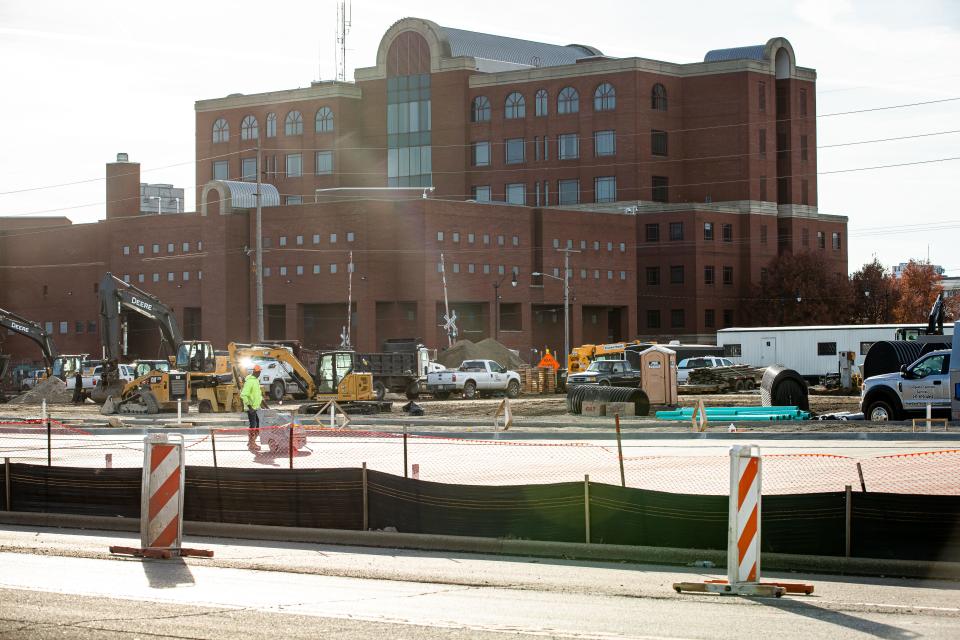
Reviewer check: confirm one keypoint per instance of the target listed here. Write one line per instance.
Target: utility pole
(566, 300)
(349, 297)
(259, 255)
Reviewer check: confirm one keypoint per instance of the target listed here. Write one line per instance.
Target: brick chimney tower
(123, 187)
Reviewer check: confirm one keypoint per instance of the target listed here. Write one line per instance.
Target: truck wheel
(880, 411)
(604, 383)
(277, 390)
(379, 391)
(205, 406)
(413, 390)
(469, 390)
(513, 389)
(441, 395)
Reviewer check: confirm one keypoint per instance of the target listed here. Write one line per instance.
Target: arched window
(293, 126)
(542, 102)
(605, 98)
(658, 97)
(249, 129)
(568, 101)
(221, 131)
(515, 106)
(324, 121)
(481, 110)
(271, 125)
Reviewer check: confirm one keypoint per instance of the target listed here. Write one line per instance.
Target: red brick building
(676, 184)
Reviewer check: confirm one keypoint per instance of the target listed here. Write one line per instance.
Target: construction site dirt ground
(530, 413)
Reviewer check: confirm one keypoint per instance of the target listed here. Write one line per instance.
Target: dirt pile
(488, 349)
(53, 390)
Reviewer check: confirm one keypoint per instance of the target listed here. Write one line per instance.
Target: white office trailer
(811, 351)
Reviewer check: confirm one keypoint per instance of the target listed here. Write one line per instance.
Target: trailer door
(768, 352)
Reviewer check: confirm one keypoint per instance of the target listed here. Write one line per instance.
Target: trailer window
(864, 347)
(732, 350)
(826, 348)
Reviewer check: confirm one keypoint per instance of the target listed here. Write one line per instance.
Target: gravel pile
(53, 390)
(487, 349)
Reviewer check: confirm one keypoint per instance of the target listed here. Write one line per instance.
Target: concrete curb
(468, 544)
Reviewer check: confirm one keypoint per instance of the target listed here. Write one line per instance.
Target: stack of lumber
(537, 381)
(733, 378)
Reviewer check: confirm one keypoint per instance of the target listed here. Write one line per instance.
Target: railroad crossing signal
(344, 338)
(450, 324)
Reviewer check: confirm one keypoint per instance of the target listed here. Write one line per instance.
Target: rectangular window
(763, 234)
(708, 231)
(516, 241)
(324, 162)
(514, 151)
(653, 318)
(439, 236)
(821, 240)
(299, 269)
(471, 238)
(156, 247)
(596, 274)
(803, 103)
(677, 319)
(569, 146)
(186, 247)
(221, 170)
(803, 147)
(763, 188)
(141, 278)
(676, 274)
(156, 277)
(805, 191)
(456, 267)
(299, 241)
(569, 191)
(501, 241)
(728, 275)
(826, 348)
(731, 350)
(661, 187)
(728, 322)
(266, 272)
(333, 238)
(294, 165)
(64, 327)
(293, 200)
(316, 238)
(623, 275)
(186, 276)
(283, 241)
(623, 247)
(170, 247)
(126, 250)
(708, 274)
(609, 275)
(658, 142)
(653, 276)
(762, 95)
(709, 318)
(350, 236)
(653, 232)
(609, 246)
(248, 169)
(481, 154)
(517, 194)
(486, 269)
(676, 231)
(605, 189)
(836, 241)
(604, 143)
(596, 245)
(333, 267)
(481, 194)
(486, 238)
(727, 231)
(140, 249)
(170, 276)
(316, 269)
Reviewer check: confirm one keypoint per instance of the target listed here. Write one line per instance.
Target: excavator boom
(33, 331)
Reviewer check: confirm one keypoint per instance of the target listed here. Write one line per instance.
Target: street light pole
(496, 301)
(259, 258)
(566, 296)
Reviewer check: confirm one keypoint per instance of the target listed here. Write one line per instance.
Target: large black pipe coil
(577, 394)
(782, 387)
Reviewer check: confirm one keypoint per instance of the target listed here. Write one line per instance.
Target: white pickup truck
(474, 377)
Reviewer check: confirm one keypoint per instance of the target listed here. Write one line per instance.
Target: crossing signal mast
(344, 22)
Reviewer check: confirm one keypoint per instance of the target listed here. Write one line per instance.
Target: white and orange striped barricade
(161, 500)
(743, 534)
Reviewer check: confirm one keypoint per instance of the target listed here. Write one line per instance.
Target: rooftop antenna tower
(344, 22)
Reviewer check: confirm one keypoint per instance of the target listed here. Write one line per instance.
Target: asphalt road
(61, 584)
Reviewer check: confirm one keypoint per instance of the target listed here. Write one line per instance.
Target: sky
(84, 81)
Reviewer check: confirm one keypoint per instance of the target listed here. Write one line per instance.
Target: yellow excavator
(580, 357)
(336, 377)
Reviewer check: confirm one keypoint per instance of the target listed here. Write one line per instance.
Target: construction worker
(77, 388)
(252, 398)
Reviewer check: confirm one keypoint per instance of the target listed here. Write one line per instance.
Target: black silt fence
(906, 527)
(537, 512)
(314, 498)
(74, 490)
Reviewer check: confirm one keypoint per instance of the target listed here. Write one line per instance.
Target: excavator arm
(33, 331)
(301, 376)
(117, 296)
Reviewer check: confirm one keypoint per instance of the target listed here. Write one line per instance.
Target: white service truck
(473, 378)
